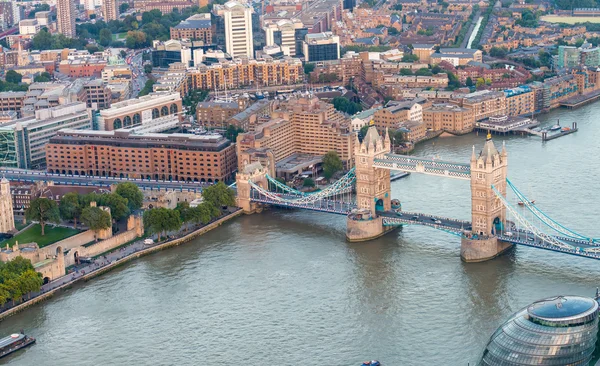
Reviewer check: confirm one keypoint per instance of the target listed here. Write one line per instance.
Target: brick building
(196, 27)
(449, 117)
(178, 157)
(134, 112)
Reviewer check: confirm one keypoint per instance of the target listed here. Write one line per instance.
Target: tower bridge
(364, 197)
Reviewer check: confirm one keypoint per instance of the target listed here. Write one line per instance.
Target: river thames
(285, 288)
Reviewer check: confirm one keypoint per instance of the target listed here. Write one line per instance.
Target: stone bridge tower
(253, 172)
(488, 214)
(372, 187)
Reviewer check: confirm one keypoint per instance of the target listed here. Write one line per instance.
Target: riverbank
(118, 261)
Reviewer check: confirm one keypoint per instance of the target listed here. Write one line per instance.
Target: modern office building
(238, 29)
(110, 10)
(23, 141)
(321, 47)
(560, 330)
(65, 17)
(198, 158)
(134, 112)
(196, 27)
(28, 27)
(282, 33)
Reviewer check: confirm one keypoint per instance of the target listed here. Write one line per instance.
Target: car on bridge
(437, 222)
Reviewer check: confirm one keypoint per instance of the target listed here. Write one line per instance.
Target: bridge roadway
(22, 175)
(452, 226)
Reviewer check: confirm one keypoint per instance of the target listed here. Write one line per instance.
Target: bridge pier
(482, 249)
(365, 230)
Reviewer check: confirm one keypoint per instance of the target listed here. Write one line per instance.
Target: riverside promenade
(108, 261)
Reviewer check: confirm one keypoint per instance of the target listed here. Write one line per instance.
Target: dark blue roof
(375, 30)
(369, 40)
(560, 307)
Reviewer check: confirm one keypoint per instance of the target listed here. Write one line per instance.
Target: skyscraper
(65, 17)
(238, 29)
(110, 10)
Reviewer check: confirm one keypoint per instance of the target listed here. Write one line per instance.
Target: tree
(406, 72)
(131, 192)
(480, 83)
(408, 57)
(43, 78)
(147, 89)
(232, 132)
(123, 8)
(123, 54)
(423, 72)
(43, 210)
(219, 195)
(162, 220)
(469, 82)
(308, 68)
(148, 68)
(96, 219)
(499, 52)
(331, 164)
(118, 205)
(105, 37)
(70, 207)
(13, 77)
(308, 182)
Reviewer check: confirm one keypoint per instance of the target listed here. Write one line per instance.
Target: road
(138, 69)
(22, 175)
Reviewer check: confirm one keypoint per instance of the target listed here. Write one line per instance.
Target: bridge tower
(255, 173)
(372, 187)
(488, 214)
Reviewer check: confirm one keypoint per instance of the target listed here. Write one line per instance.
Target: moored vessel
(14, 342)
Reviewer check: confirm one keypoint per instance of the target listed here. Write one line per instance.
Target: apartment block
(179, 157)
(449, 117)
(484, 103)
(196, 27)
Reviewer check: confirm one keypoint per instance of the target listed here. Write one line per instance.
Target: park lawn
(119, 36)
(19, 225)
(34, 234)
(569, 20)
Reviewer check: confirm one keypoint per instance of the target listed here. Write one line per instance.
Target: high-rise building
(10, 13)
(110, 11)
(281, 33)
(238, 29)
(65, 17)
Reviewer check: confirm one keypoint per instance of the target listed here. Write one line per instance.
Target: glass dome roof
(561, 307)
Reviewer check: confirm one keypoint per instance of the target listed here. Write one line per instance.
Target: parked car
(148, 241)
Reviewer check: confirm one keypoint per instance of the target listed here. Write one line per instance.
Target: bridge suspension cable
(529, 226)
(341, 186)
(547, 220)
(284, 187)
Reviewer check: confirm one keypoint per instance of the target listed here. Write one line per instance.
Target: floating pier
(563, 132)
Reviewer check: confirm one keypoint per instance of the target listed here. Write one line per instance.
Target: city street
(138, 69)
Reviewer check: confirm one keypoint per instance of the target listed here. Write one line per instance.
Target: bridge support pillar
(480, 250)
(364, 230)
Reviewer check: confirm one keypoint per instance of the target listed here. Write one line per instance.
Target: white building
(238, 29)
(282, 33)
(28, 27)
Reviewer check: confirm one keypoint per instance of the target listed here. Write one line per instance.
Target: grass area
(19, 225)
(119, 36)
(569, 20)
(34, 235)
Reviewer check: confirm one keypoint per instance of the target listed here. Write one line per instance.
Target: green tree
(123, 54)
(331, 164)
(409, 57)
(499, 52)
(423, 72)
(406, 72)
(147, 89)
(308, 68)
(133, 194)
(232, 132)
(219, 195)
(13, 77)
(118, 205)
(161, 220)
(70, 207)
(148, 68)
(43, 210)
(96, 219)
(469, 82)
(480, 82)
(308, 182)
(205, 212)
(123, 8)
(30, 281)
(43, 78)
(105, 37)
